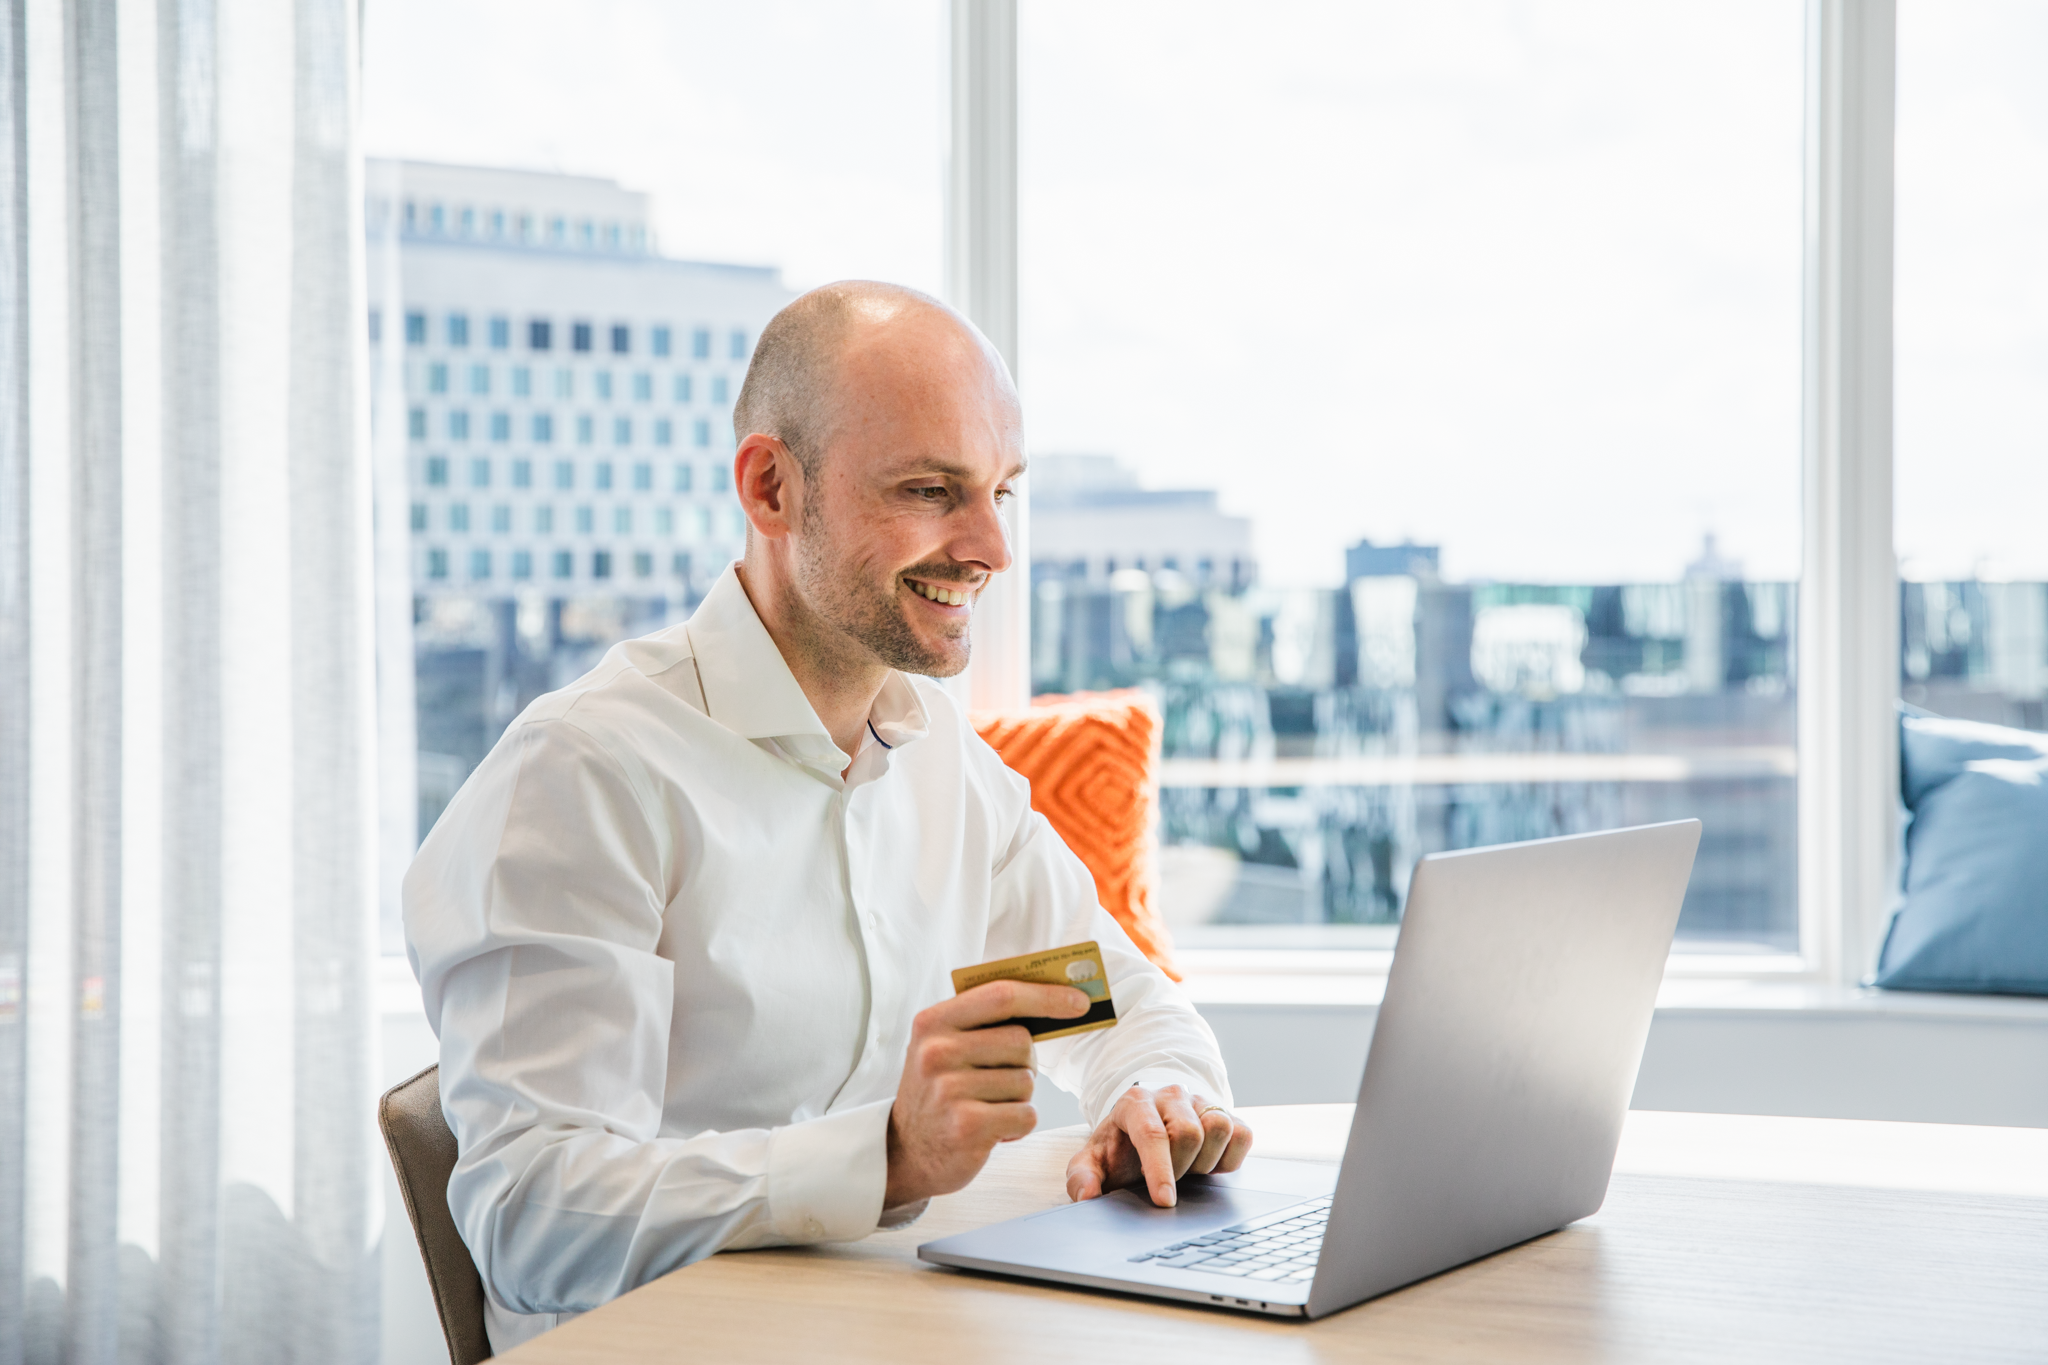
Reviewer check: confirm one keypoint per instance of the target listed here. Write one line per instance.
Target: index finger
(1000, 1002)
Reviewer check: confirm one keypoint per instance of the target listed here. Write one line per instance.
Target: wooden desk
(1724, 1238)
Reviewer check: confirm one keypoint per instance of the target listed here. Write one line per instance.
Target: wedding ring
(1212, 1109)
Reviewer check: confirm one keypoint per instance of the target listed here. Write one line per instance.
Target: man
(686, 933)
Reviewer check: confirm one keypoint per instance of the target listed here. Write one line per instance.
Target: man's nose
(985, 537)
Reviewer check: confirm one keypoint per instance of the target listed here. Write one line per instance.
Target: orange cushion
(1092, 761)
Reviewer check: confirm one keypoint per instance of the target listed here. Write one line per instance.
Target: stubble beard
(841, 598)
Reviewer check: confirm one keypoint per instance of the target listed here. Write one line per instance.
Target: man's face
(902, 515)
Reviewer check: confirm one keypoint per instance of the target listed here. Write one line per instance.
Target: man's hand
(1155, 1137)
(966, 1087)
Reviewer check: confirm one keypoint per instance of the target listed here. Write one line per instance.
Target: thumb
(1084, 1176)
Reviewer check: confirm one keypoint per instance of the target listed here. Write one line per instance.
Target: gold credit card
(1078, 965)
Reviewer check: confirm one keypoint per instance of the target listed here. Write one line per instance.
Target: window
(585, 521)
(718, 389)
(643, 388)
(479, 563)
(458, 516)
(643, 477)
(539, 335)
(458, 330)
(700, 343)
(416, 424)
(543, 428)
(682, 483)
(579, 336)
(501, 426)
(601, 564)
(522, 473)
(465, 222)
(622, 338)
(643, 564)
(664, 431)
(437, 563)
(721, 479)
(558, 232)
(565, 566)
(415, 329)
(682, 388)
(701, 431)
(522, 564)
(601, 383)
(680, 564)
(376, 327)
(501, 333)
(479, 473)
(738, 345)
(602, 475)
(437, 378)
(622, 431)
(458, 425)
(437, 471)
(622, 521)
(522, 382)
(479, 380)
(565, 382)
(658, 341)
(664, 521)
(565, 474)
(586, 429)
(544, 520)
(419, 516)
(501, 518)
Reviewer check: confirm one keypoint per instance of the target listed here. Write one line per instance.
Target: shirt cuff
(827, 1176)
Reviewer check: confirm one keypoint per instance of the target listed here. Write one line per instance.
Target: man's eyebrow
(940, 465)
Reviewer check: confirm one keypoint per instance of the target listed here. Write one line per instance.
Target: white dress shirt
(673, 959)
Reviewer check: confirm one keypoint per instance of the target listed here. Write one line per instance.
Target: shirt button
(813, 1228)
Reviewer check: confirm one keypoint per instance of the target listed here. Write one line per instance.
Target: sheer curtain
(188, 1161)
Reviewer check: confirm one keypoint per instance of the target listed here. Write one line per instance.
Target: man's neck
(841, 684)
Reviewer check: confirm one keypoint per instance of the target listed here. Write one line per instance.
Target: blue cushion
(1975, 912)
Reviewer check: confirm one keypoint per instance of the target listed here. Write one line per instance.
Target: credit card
(1077, 964)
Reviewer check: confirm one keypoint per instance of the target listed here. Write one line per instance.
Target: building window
(602, 479)
(437, 563)
(465, 222)
(419, 516)
(416, 424)
(522, 382)
(544, 520)
(558, 232)
(501, 518)
(479, 473)
(721, 479)
(586, 430)
(479, 563)
(738, 342)
(622, 339)
(622, 521)
(622, 431)
(458, 425)
(415, 329)
(664, 432)
(680, 565)
(501, 426)
(437, 472)
(658, 341)
(718, 390)
(586, 234)
(565, 567)
(540, 334)
(664, 521)
(579, 336)
(643, 564)
(643, 388)
(683, 389)
(522, 564)
(683, 480)
(701, 432)
(601, 383)
(458, 329)
(700, 343)
(437, 219)
(543, 428)
(437, 378)
(458, 516)
(501, 333)
(585, 521)
(522, 473)
(565, 474)
(601, 564)
(479, 380)
(376, 327)
(643, 477)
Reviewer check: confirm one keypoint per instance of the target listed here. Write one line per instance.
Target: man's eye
(1005, 494)
(930, 494)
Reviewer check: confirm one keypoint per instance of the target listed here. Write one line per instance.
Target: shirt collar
(749, 689)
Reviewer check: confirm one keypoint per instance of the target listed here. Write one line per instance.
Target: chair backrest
(423, 1153)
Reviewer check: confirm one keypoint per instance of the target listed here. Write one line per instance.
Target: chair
(423, 1153)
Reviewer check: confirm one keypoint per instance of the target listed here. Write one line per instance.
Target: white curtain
(188, 1160)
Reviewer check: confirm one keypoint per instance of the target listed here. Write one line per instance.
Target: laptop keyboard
(1277, 1246)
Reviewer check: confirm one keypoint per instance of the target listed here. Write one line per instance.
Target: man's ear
(770, 484)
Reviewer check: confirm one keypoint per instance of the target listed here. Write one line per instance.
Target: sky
(1521, 280)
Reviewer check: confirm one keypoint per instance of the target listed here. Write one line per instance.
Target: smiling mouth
(940, 593)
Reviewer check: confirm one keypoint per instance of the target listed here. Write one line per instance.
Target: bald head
(792, 386)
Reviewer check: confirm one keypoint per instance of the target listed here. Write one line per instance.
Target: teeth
(938, 594)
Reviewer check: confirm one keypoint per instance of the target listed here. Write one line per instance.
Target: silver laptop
(1501, 1066)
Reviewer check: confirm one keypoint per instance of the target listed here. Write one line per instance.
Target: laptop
(1501, 1066)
